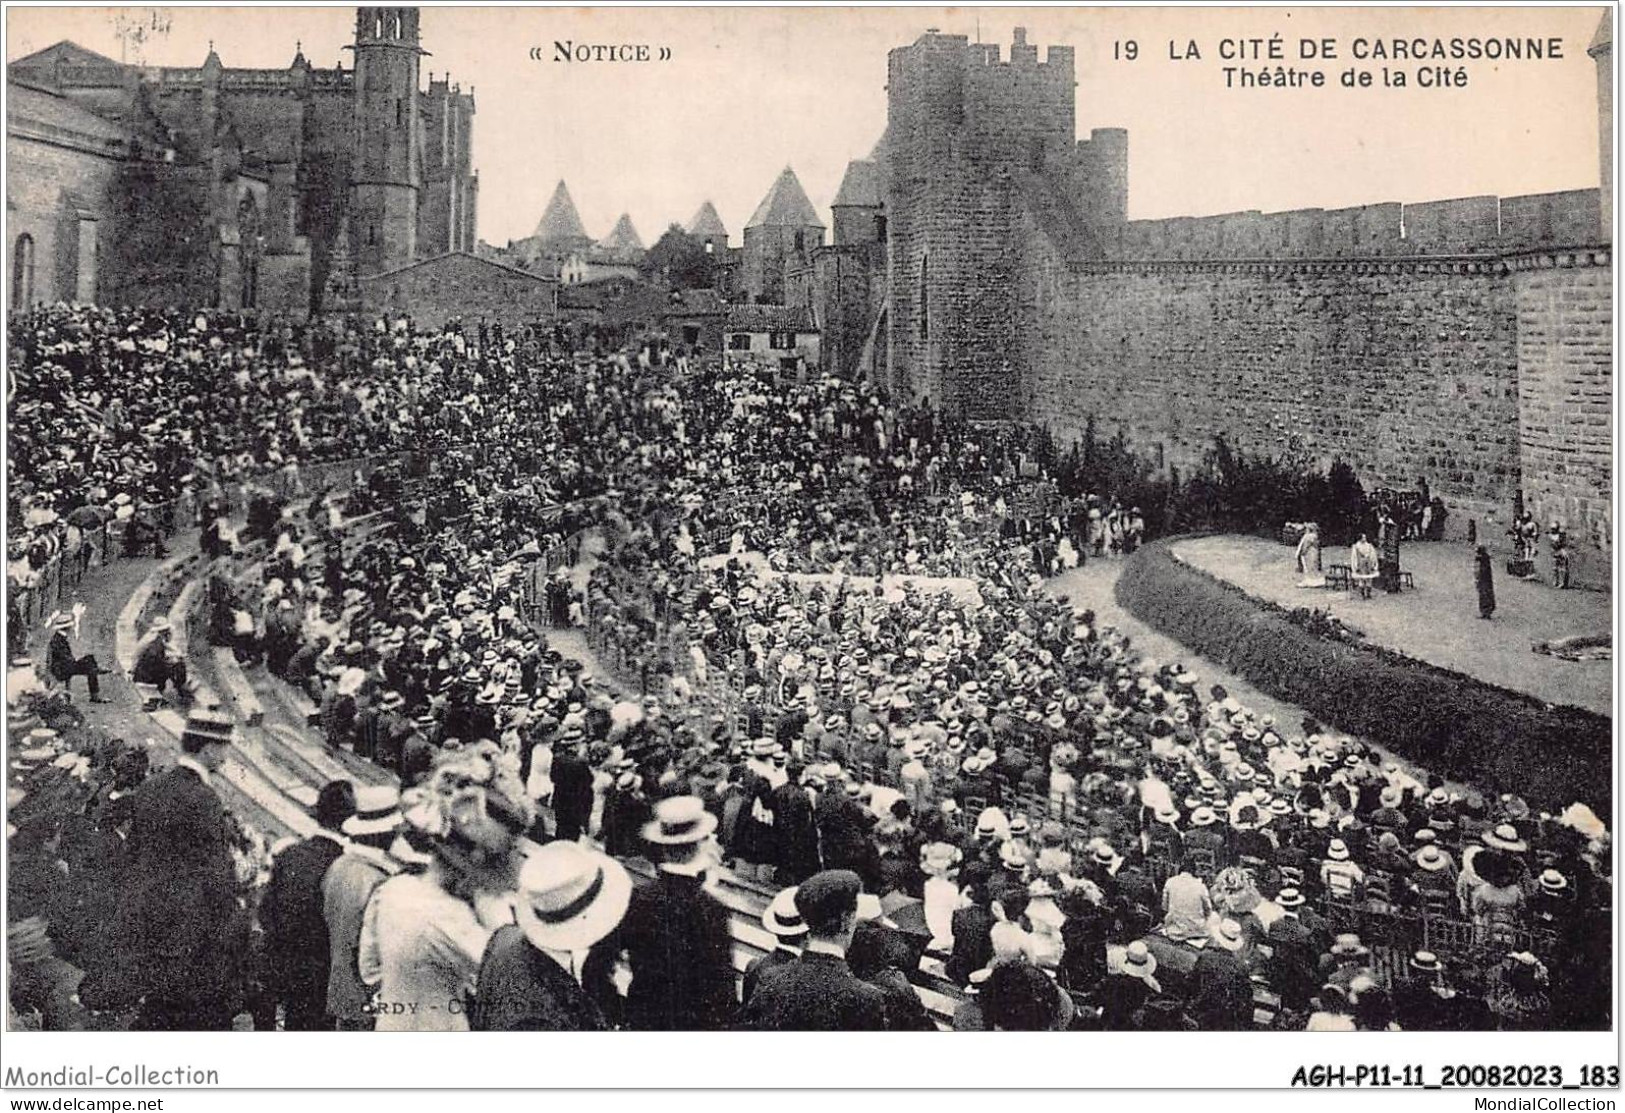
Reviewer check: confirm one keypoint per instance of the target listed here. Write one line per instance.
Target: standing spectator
(346, 889)
(789, 931)
(296, 939)
(530, 977)
(572, 788)
(675, 935)
(179, 922)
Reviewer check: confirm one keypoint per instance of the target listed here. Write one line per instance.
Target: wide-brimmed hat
(570, 897)
(782, 917)
(1138, 961)
(1227, 934)
(1505, 838)
(679, 820)
(1204, 816)
(377, 809)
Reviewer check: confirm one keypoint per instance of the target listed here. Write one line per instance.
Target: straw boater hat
(1553, 882)
(377, 809)
(1431, 858)
(570, 897)
(1427, 962)
(1289, 898)
(782, 918)
(679, 820)
(1338, 851)
(1203, 816)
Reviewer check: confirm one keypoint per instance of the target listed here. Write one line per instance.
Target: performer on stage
(1363, 565)
(1309, 571)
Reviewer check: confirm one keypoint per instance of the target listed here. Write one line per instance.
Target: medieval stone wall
(1563, 303)
(1401, 369)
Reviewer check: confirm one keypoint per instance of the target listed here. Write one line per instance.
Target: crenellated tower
(974, 145)
(386, 177)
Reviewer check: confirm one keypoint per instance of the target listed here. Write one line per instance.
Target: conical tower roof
(623, 238)
(860, 186)
(560, 221)
(707, 224)
(785, 206)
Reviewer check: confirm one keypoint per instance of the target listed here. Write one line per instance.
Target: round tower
(386, 168)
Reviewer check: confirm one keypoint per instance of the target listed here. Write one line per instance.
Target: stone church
(285, 190)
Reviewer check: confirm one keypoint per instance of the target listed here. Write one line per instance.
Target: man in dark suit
(64, 666)
(818, 992)
(181, 931)
(796, 829)
(1223, 991)
(675, 936)
(790, 934)
(1295, 953)
(572, 789)
(844, 825)
(291, 913)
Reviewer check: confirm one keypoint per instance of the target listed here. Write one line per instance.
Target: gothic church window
(22, 272)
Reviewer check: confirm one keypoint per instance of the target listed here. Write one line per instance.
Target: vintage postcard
(684, 523)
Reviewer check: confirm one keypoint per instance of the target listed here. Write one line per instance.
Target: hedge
(1451, 724)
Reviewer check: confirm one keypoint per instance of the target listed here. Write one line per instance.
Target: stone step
(230, 673)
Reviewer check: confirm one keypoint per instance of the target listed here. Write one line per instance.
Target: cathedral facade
(273, 189)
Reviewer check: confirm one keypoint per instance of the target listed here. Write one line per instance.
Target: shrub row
(1452, 724)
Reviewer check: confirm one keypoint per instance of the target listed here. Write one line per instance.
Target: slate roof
(770, 318)
(785, 206)
(706, 223)
(560, 221)
(454, 256)
(26, 105)
(69, 53)
(860, 186)
(623, 237)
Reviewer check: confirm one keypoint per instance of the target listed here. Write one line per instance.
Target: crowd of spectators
(831, 661)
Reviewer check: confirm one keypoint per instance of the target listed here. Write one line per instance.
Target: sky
(748, 91)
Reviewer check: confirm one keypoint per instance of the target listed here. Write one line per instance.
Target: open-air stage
(1438, 622)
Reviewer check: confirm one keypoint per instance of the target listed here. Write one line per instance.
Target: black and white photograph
(810, 520)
